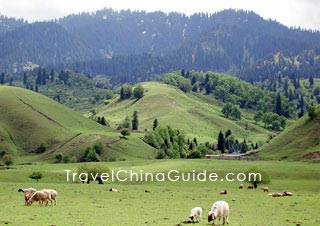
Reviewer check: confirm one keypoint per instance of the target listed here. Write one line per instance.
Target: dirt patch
(313, 155)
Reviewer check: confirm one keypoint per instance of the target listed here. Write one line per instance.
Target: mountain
(34, 125)
(135, 46)
(300, 141)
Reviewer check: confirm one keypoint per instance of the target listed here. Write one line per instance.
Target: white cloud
(304, 13)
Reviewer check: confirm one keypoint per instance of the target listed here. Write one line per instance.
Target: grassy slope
(301, 138)
(29, 119)
(198, 115)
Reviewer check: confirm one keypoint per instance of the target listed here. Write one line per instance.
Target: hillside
(299, 141)
(30, 120)
(198, 115)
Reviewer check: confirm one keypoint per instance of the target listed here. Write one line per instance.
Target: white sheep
(53, 193)
(195, 214)
(40, 196)
(219, 209)
(113, 190)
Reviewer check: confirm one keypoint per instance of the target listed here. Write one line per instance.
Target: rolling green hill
(198, 115)
(299, 141)
(30, 120)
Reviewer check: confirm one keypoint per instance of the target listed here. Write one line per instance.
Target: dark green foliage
(95, 169)
(91, 155)
(221, 142)
(312, 113)
(98, 147)
(258, 116)
(42, 148)
(58, 157)
(125, 132)
(194, 154)
(135, 121)
(177, 80)
(103, 121)
(66, 159)
(126, 122)
(8, 160)
(36, 176)
(155, 124)
(125, 92)
(138, 92)
(278, 105)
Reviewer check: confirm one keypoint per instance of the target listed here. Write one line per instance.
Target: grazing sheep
(219, 209)
(241, 186)
(195, 214)
(40, 196)
(113, 190)
(27, 190)
(53, 193)
(277, 195)
(287, 193)
(27, 196)
(265, 189)
(250, 187)
(224, 192)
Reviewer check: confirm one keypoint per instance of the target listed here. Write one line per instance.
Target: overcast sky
(304, 13)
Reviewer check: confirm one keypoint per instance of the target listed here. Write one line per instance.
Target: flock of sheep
(45, 195)
(220, 209)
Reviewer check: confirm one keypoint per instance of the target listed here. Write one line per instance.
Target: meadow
(167, 203)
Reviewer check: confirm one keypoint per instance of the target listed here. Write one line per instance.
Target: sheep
(219, 209)
(27, 190)
(241, 186)
(277, 194)
(53, 193)
(224, 192)
(250, 187)
(113, 190)
(195, 214)
(287, 193)
(265, 189)
(40, 196)
(27, 196)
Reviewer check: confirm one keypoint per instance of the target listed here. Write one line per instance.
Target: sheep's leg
(223, 221)
(227, 218)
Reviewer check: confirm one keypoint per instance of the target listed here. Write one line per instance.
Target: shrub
(125, 132)
(160, 154)
(94, 169)
(58, 157)
(42, 148)
(112, 159)
(36, 176)
(66, 159)
(8, 160)
(195, 154)
(73, 159)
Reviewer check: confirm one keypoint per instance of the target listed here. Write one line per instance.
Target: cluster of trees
(231, 110)
(129, 123)
(228, 144)
(271, 120)
(59, 157)
(127, 93)
(92, 154)
(73, 89)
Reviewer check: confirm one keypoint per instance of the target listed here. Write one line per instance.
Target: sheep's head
(29, 202)
(27, 196)
(191, 217)
(210, 216)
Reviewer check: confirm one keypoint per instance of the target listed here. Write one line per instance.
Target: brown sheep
(250, 187)
(40, 196)
(241, 186)
(224, 192)
(277, 195)
(27, 196)
(265, 189)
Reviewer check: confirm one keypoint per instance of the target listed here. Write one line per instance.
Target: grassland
(168, 203)
(296, 142)
(199, 116)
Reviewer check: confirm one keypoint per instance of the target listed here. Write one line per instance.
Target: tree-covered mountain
(132, 46)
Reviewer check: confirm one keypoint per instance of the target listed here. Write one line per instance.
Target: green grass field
(198, 115)
(168, 203)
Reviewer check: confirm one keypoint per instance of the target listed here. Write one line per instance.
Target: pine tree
(2, 78)
(221, 142)
(155, 124)
(52, 75)
(103, 121)
(135, 121)
(278, 105)
(24, 78)
(311, 81)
